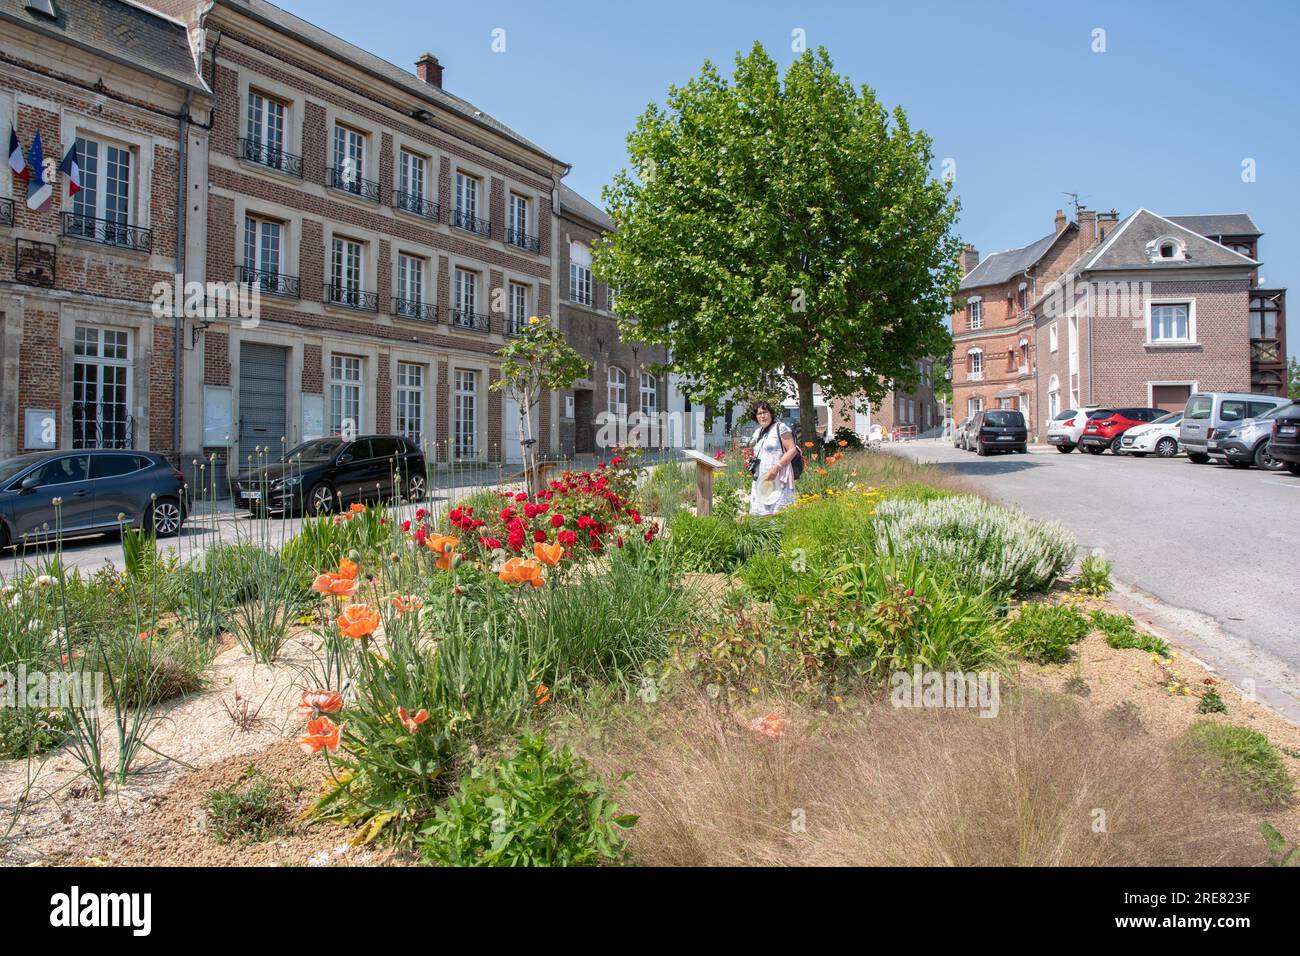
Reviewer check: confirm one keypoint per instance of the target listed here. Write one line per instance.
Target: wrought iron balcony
(514, 326)
(110, 232)
(6, 212)
(345, 180)
(415, 309)
(272, 157)
(270, 283)
(351, 298)
(461, 319)
(463, 220)
(416, 205)
(517, 237)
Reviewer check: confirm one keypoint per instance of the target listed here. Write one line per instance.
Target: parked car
(1159, 438)
(960, 431)
(1207, 414)
(1067, 427)
(319, 476)
(999, 429)
(98, 491)
(1105, 431)
(1246, 444)
(1284, 446)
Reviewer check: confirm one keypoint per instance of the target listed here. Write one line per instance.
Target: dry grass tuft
(917, 788)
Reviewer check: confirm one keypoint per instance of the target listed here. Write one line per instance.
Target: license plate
(1004, 438)
(251, 495)
(1286, 429)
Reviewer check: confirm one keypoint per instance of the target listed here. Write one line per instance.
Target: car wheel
(1196, 458)
(1293, 467)
(1022, 450)
(415, 488)
(981, 449)
(1264, 461)
(320, 500)
(1065, 449)
(1116, 445)
(1166, 448)
(165, 517)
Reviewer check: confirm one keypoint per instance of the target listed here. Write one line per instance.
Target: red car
(1105, 426)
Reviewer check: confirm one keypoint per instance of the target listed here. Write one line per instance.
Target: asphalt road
(1215, 542)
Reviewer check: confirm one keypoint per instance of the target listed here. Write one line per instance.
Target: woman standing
(774, 447)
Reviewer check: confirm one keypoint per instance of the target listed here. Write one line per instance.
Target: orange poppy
(444, 546)
(412, 724)
(322, 733)
(358, 620)
(317, 702)
(807, 444)
(843, 443)
(407, 602)
(357, 509)
(335, 585)
(542, 694)
(548, 554)
(520, 571)
(348, 569)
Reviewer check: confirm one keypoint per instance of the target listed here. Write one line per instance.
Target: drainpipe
(179, 319)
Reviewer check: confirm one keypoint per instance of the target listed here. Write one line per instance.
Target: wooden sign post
(705, 466)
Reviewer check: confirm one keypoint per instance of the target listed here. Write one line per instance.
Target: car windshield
(1002, 418)
(1199, 407)
(1173, 418)
(322, 449)
(1062, 416)
(12, 466)
(1100, 413)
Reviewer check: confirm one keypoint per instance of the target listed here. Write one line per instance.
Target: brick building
(905, 414)
(84, 360)
(396, 233)
(621, 382)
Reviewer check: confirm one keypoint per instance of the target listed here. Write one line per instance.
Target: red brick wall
(216, 358)
(162, 384)
(40, 363)
(313, 376)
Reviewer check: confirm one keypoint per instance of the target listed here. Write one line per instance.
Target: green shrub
(765, 575)
(1094, 575)
(28, 731)
(702, 543)
(251, 811)
(831, 530)
(1044, 633)
(1122, 633)
(150, 667)
(985, 546)
(542, 807)
(1239, 760)
(756, 537)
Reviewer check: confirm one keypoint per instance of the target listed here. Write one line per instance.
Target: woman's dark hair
(765, 406)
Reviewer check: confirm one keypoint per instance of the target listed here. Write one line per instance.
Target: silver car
(1209, 415)
(1246, 444)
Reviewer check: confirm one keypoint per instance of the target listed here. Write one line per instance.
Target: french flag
(72, 169)
(16, 161)
(40, 188)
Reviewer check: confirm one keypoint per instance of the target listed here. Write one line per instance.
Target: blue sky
(1012, 92)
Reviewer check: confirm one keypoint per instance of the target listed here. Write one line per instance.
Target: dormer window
(1167, 249)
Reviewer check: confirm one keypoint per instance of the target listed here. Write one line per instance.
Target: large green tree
(793, 227)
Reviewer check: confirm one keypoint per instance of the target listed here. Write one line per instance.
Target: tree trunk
(807, 412)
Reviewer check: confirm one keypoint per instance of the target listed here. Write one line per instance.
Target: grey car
(1246, 443)
(92, 489)
(1208, 415)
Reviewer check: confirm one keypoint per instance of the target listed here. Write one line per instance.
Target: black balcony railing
(517, 237)
(415, 309)
(416, 205)
(351, 298)
(6, 212)
(461, 319)
(346, 181)
(514, 326)
(270, 283)
(108, 231)
(272, 157)
(463, 220)
(101, 426)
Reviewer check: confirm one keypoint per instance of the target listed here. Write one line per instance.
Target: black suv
(1284, 446)
(319, 476)
(93, 488)
(999, 429)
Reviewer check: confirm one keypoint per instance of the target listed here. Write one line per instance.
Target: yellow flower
(533, 320)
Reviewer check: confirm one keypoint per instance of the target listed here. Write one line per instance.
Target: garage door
(262, 393)
(1171, 398)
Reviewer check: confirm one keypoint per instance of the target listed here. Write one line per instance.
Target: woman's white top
(769, 448)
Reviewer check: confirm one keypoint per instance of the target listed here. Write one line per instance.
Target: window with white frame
(975, 364)
(1170, 322)
(975, 313)
(580, 274)
(1024, 355)
(649, 395)
(412, 175)
(410, 400)
(265, 129)
(517, 315)
(347, 272)
(518, 219)
(467, 188)
(345, 395)
(410, 279)
(466, 407)
(349, 157)
(101, 387)
(974, 405)
(263, 253)
(616, 391)
(1051, 338)
(465, 297)
(103, 206)
(1053, 397)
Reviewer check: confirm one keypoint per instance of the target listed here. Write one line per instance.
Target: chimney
(429, 69)
(969, 259)
(1061, 222)
(1087, 224)
(1106, 222)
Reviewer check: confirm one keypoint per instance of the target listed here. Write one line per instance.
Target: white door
(510, 431)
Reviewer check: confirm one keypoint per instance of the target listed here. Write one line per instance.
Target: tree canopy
(782, 227)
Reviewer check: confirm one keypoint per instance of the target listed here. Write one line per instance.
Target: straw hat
(769, 492)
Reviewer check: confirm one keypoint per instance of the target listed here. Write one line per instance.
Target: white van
(1208, 414)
